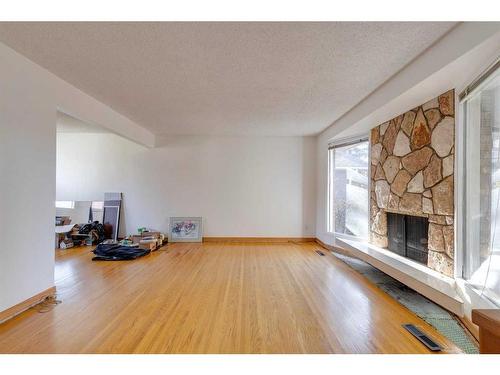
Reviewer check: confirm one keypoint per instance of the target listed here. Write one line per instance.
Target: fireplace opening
(408, 236)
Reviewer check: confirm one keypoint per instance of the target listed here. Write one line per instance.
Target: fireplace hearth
(408, 236)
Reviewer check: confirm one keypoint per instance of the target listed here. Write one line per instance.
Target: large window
(481, 255)
(348, 189)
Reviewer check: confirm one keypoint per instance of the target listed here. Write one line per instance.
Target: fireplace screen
(408, 236)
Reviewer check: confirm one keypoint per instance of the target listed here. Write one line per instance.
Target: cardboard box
(63, 220)
(148, 245)
(66, 244)
(151, 234)
(157, 236)
(136, 238)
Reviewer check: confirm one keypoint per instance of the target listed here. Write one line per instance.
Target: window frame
(462, 195)
(331, 207)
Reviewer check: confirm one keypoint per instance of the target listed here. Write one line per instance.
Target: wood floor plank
(215, 298)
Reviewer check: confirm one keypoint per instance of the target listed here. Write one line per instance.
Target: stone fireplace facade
(412, 171)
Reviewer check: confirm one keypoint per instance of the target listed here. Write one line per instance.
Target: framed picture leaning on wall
(185, 229)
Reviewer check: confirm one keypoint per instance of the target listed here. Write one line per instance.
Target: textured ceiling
(225, 78)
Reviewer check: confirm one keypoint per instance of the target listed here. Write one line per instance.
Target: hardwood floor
(215, 298)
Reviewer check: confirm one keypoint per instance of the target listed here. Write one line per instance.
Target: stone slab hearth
(412, 173)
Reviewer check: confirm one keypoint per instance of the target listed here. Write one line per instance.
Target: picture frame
(185, 229)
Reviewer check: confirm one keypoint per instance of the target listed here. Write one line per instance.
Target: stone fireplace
(412, 171)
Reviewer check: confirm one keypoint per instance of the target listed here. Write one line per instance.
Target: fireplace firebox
(408, 236)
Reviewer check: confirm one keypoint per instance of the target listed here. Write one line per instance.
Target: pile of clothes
(118, 251)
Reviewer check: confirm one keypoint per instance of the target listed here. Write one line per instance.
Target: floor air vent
(422, 337)
(320, 253)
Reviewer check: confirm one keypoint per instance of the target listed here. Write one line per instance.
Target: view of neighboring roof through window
(65, 204)
(348, 197)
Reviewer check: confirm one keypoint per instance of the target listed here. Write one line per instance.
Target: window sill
(473, 294)
(348, 237)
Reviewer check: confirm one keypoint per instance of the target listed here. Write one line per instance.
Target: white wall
(241, 186)
(29, 99)
(27, 169)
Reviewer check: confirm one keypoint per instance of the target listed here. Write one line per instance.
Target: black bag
(118, 252)
(95, 229)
